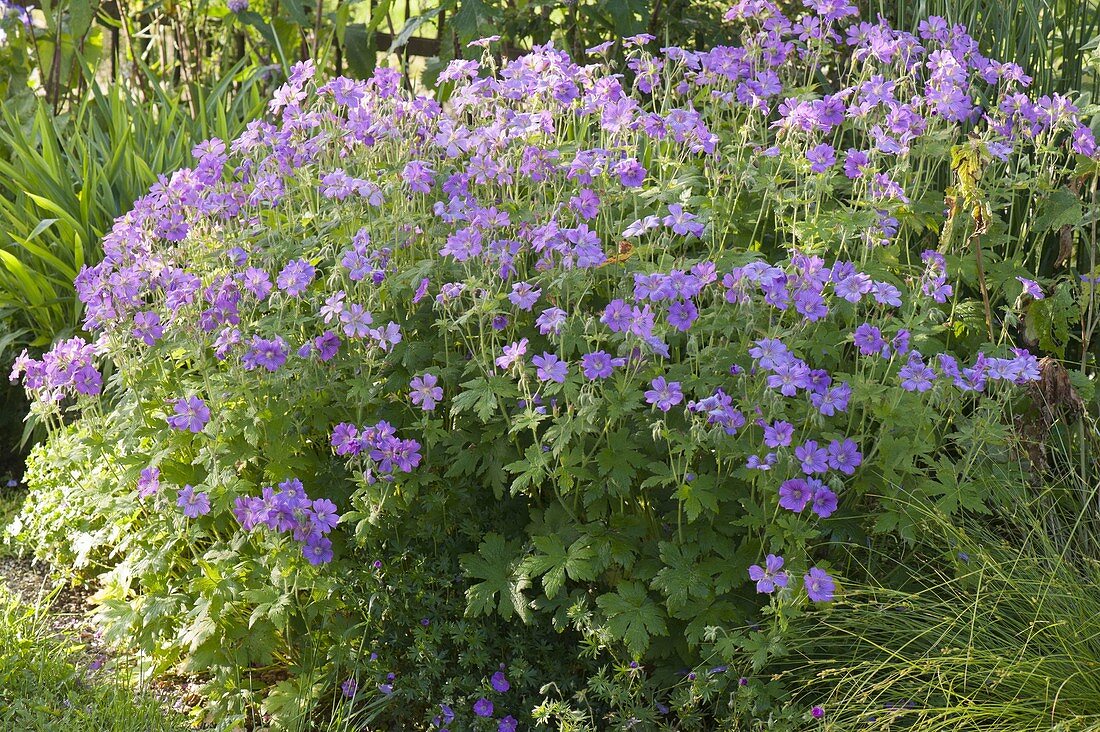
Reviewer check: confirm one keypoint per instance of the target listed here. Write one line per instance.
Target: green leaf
(554, 562)
(1063, 208)
(81, 13)
(481, 394)
(681, 579)
(201, 627)
(297, 11)
(632, 616)
(502, 579)
(473, 19)
(1049, 321)
(697, 496)
(412, 24)
(360, 51)
(260, 643)
(618, 461)
(530, 472)
(265, 29)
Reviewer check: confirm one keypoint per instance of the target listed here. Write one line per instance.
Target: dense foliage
(616, 359)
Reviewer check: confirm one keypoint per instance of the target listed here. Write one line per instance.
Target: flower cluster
(387, 454)
(66, 369)
(287, 509)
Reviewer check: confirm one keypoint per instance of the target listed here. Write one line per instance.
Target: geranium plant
(645, 344)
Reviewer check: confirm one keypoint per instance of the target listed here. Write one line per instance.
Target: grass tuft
(48, 683)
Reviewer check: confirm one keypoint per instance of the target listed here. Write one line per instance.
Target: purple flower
(499, 682)
(586, 204)
(833, 400)
(853, 287)
(193, 504)
(295, 277)
(599, 365)
(778, 434)
(425, 394)
(1031, 287)
(814, 459)
(681, 314)
(844, 456)
(418, 175)
(770, 352)
(327, 345)
(550, 321)
(227, 338)
(508, 724)
(819, 585)
(824, 501)
(870, 342)
(149, 482)
(268, 354)
(821, 157)
(616, 316)
(349, 687)
(681, 222)
(345, 439)
(886, 294)
(463, 244)
(191, 414)
(550, 368)
(325, 516)
(664, 394)
(356, 321)
(1084, 142)
(770, 576)
(789, 377)
(249, 511)
(631, 173)
(483, 707)
(883, 187)
(524, 295)
(856, 163)
(817, 712)
(512, 353)
(387, 336)
(317, 550)
(794, 494)
(87, 380)
(334, 305)
(147, 327)
(257, 282)
(934, 281)
(916, 375)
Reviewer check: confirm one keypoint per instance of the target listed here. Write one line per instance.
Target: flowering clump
(288, 509)
(67, 369)
(378, 448)
(616, 337)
